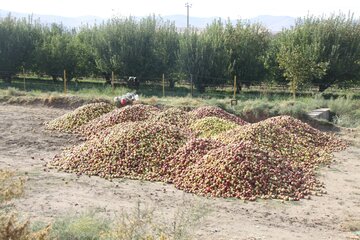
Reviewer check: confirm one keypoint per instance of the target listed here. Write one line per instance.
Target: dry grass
(144, 224)
(11, 226)
(140, 224)
(10, 186)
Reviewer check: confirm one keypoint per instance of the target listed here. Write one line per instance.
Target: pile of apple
(310, 135)
(288, 137)
(133, 150)
(211, 111)
(209, 127)
(173, 116)
(130, 113)
(242, 170)
(71, 121)
(186, 156)
(206, 151)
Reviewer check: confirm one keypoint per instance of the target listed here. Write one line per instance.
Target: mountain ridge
(273, 23)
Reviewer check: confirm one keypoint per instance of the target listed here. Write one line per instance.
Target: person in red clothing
(123, 102)
(126, 99)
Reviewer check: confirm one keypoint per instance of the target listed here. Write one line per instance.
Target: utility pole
(188, 6)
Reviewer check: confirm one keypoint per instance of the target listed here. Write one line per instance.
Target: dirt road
(26, 147)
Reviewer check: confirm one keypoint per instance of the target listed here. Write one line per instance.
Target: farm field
(26, 147)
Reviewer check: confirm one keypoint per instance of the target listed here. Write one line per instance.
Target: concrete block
(321, 113)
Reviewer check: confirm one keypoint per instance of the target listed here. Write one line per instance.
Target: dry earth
(25, 147)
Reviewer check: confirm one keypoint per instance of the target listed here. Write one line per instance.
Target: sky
(200, 8)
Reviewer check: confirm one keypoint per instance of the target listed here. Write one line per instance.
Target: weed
(11, 226)
(83, 227)
(187, 219)
(10, 186)
(143, 223)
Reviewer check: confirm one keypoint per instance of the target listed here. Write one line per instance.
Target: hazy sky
(200, 8)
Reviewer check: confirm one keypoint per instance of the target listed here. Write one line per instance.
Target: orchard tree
(219, 58)
(126, 47)
(321, 51)
(298, 57)
(167, 45)
(18, 38)
(203, 56)
(340, 40)
(247, 45)
(274, 74)
(58, 51)
(85, 56)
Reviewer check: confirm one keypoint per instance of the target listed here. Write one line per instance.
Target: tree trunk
(201, 88)
(323, 87)
(238, 87)
(7, 79)
(107, 78)
(171, 84)
(69, 77)
(293, 89)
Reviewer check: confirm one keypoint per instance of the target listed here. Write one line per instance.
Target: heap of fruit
(130, 113)
(274, 158)
(193, 151)
(209, 127)
(71, 121)
(210, 111)
(133, 150)
(310, 135)
(173, 116)
(244, 171)
(288, 137)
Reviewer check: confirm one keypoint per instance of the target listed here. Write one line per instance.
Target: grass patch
(143, 223)
(12, 226)
(86, 226)
(346, 110)
(253, 105)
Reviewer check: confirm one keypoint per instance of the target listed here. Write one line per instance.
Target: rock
(321, 113)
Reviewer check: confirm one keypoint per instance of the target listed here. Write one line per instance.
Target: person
(126, 99)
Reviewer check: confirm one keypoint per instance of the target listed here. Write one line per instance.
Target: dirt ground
(26, 147)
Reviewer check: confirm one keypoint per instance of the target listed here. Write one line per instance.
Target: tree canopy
(322, 51)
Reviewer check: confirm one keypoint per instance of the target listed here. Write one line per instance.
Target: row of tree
(316, 50)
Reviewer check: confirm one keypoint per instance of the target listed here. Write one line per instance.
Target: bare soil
(26, 147)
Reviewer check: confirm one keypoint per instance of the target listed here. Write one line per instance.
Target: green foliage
(247, 45)
(346, 110)
(17, 41)
(203, 55)
(298, 57)
(145, 48)
(85, 65)
(58, 51)
(322, 51)
(83, 227)
(166, 52)
(340, 42)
